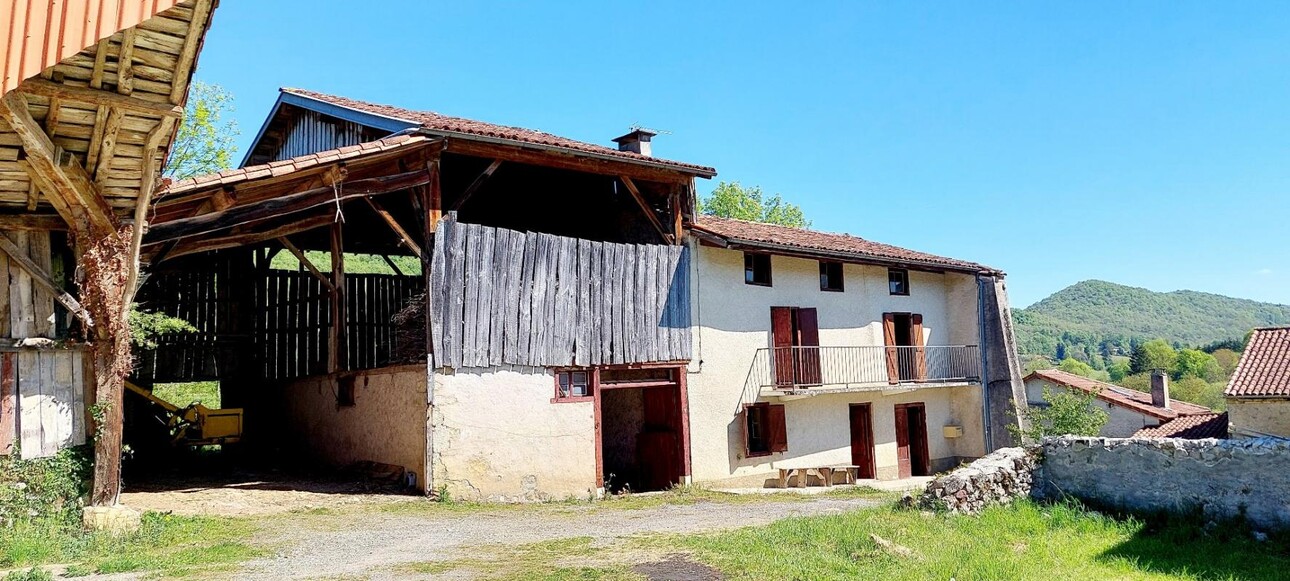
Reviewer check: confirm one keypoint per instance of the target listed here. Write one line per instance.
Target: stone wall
(1224, 479)
(997, 478)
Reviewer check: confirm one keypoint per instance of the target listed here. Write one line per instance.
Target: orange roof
(773, 237)
(1121, 396)
(1189, 427)
(1264, 370)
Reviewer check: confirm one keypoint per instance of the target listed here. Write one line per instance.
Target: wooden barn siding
(42, 400)
(312, 132)
(26, 308)
(522, 298)
(207, 300)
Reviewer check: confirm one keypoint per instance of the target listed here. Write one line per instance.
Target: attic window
(898, 281)
(831, 276)
(757, 269)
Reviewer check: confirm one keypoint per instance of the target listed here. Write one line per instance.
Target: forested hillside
(1101, 319)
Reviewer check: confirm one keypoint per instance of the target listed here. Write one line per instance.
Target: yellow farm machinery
(196, 424)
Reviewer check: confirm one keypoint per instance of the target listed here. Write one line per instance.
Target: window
(757, 269)
(345, 391)
(765, 430)
(831, 276)
(573, 385)
(898, 281)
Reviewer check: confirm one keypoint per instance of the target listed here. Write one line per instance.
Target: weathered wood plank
(8, 402)
(630, 319)
(5, 314)
(78, 397)
(617, 304)
(440, 274)
(540, 317)
(582, 339)
(498, 271)
(458, 297)
(650, 320)
(470, 318)
(29, 404)
(560, 350)
(61, 401)
(685, 324)
(524, 324)
(515, 289)
(484, 272)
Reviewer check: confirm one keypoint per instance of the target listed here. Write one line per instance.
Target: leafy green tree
(1118, 371)
(1154, 354)
(1068, 412)
(1227, 359)
(732, 200)
(1075, 366)
(146, 328)
(1036, 363)
(1198, 391)
(204, 142)
(1198, 364)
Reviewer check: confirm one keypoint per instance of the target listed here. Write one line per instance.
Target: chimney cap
(636, 134)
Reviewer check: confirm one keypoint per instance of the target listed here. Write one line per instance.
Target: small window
(345, 392)
(764, 430)
(757, 269)
(831, 276)
(898, 281)
(572, 384)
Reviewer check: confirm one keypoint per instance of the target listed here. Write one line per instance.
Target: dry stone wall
(996, 478)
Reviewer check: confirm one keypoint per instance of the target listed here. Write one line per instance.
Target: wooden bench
(824, 472)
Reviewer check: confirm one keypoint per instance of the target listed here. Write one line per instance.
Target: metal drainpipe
(986, 425)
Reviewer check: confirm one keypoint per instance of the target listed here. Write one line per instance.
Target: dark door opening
(906, 357)
(641, 441)
(911, 440)
(862, 445)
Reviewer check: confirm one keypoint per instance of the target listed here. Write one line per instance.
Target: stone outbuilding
(1258, 395)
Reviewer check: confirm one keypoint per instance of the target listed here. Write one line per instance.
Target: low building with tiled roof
(1195, 427)
(1130, 411)
(1258, 395)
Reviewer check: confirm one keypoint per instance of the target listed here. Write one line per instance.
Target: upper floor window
(898, 281)
(757, 269)
(831, 276)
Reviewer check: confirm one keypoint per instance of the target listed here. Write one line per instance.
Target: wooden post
(336, 345)
(678, 231)
(434, 203)
(433, 206)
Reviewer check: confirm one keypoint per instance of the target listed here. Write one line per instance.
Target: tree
(1118, 371)
(732, 200)
(1227, 359)
(1067, 412)
(1075, 366)
(1154, 354)
(204, 141)
(1198, 364)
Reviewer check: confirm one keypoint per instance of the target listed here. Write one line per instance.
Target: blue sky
(1145, 143)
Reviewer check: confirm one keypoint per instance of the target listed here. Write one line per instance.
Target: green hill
(1096, 317)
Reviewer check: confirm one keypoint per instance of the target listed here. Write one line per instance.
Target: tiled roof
(1264, 370)
(286, 166)
(1189, 427)
(436, 122)
(1122, 396)
(757, 233)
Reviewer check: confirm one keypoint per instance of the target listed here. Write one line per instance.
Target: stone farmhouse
(1133, 413)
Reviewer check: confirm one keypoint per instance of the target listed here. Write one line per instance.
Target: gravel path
(370, 544)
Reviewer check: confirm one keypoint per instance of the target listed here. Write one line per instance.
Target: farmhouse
(1258, 395)
(1133, 413)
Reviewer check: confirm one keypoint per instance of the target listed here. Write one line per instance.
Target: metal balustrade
(802, 368)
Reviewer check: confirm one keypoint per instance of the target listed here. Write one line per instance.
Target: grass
(182, 394)
(173, 545)
(1023, 541)
(354, 263)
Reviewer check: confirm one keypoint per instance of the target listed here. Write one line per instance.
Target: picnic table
(825, 473)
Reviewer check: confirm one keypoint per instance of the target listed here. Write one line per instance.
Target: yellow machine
(196, 425)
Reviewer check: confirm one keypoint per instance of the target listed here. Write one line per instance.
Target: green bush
(44, 489)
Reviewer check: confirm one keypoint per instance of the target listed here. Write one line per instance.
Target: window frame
(750, 268)
(776, 439)
(593, 384)
(825, 265)
(904, 275)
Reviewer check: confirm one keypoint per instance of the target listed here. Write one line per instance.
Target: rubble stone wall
(997, 478)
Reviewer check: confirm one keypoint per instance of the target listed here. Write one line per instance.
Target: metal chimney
(637, 141)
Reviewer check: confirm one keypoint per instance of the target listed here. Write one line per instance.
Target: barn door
(893, 354)
(920, 355)
(781, 331)
(862, 448)
(807, 360)
(905, 469)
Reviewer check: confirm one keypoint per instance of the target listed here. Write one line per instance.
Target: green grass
(182, 394)
(354, 263)
(172, 545)
(1024, 541)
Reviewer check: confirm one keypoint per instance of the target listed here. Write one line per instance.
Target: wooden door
(904, 469)
(920, 462)
(781, 331)
(920, 355)
(893, 354)
(862, 445)
(807, 360)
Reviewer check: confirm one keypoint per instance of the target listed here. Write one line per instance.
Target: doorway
(795, 337)
(906, 356)
(862, 445)
(912, 456)
(642, 431)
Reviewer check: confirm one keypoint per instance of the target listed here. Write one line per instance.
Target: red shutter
(781, 331)
(777, 428)
(889, 339)
(808, 343)
(920, 355)
(743, 429)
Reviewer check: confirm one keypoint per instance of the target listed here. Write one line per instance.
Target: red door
(904, 469)
(862, 454)
(781, 333)
(808, 347)
(912, 452)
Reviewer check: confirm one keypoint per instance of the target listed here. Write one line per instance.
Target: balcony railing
(802, 368)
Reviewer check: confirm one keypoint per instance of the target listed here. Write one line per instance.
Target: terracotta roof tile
(755, 233)
(1189, 427)
(1264, 370)
(436, 122)
(1121, 396)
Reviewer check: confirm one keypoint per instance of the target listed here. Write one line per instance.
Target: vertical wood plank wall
(26, 308)
(506, 297)
(42, 400)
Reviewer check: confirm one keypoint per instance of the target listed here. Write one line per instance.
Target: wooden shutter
(776, 428)
(902, 441)
(808, 343)
(781, 331)
(743, 428)
(889, 339)
(920, 355)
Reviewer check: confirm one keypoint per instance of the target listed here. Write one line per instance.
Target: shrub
(44, 489)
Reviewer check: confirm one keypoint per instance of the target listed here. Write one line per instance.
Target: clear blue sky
(1145, 143)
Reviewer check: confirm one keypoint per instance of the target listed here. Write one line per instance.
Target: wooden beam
(60, 179)
(678, 230)
(188, 54)
(276, 207)
(649, 212)
(305, 262)
(475, 185)
(568, 161)
(79, 94)
(39, 276)
(148, 171)
(393, 265)
(96, 140)
(159, 254)
(434, 195)
(125, 62)
(403, 235)
(107, 146)
(336, 345)
(16, 222)
(100, 63)
(51, 117)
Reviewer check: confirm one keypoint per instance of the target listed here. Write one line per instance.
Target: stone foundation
(996, 478)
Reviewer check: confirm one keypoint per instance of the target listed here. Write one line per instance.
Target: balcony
(817, 369)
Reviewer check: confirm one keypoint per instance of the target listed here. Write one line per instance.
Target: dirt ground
(257, 495)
